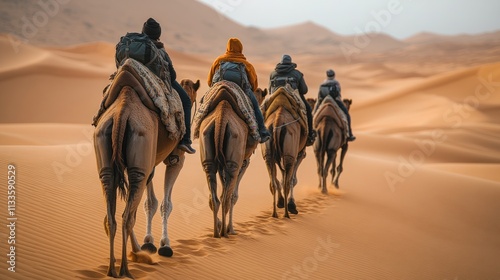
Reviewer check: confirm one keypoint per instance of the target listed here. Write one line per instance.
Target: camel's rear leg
(288, 162)
(207, 153)
(140, 164)
(234, 197)
(340, 167)
(329, 165)
(274, 184)
(102, 147)
(231, 171)
(292, 207)
(137, 183)
(109, 189)
(320, 159)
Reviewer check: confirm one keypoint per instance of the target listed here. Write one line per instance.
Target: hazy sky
(399, 18)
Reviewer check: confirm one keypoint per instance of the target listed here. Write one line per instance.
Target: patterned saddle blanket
(238, 99)
(288, 98)
(330, 108)
(156, 94)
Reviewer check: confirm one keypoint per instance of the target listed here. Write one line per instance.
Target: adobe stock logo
(381, 19)
(30, 25)
(224, 7)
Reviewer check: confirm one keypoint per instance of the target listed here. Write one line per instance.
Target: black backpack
(139, 47)
(281, 81)
(332, 90)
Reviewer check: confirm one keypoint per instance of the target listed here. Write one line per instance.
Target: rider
(284, 73)
(324, 91)
(234, 54)
(153, 30)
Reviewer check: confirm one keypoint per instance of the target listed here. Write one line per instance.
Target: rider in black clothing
(332, 87)
(153, 30)
(284, 73)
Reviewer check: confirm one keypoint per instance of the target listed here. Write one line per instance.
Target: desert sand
(418, 197)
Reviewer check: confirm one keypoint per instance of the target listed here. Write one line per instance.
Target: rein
(287, 124)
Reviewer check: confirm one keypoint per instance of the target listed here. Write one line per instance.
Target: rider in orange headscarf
(234, 53)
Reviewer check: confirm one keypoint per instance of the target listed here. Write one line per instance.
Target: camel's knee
(268, 158)
(302, 154)
(245, 164)
(232, 167)
(209, 167)
(135, 177)
(288, 161)
(106, 177)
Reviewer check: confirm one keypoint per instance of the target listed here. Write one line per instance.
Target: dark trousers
(256, 107)
(308, 112)
(346, 112)
(186, 105)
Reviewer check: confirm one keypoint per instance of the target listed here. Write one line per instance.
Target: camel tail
(220, 131)
(117, 136)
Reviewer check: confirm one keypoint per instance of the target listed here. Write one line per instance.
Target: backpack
(332, 90)
(139, 47)
(232, 71)
(282, 81)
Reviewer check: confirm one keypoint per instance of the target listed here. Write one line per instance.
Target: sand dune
(418, 197)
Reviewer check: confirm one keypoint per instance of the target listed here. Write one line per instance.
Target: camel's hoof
(281, 203)
(149, 247)
(112, 273)
(165, 251)
(292, 208)
(125, 273)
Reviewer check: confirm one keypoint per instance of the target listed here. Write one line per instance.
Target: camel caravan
(144, 119)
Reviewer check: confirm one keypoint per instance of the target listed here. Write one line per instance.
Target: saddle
(236, 97)
(330, 108)
(288, 98)
(156, 94)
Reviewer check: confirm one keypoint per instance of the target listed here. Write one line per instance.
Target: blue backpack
(232, 71)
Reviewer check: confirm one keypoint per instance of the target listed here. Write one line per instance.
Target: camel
(225, 148)
(130, 139)
(285, 149)
(331, 137)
